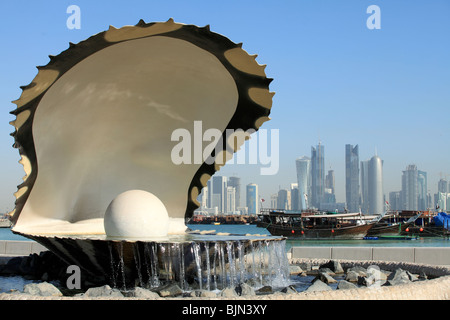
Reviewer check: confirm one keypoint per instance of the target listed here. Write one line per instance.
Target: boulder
(318, 286)
(265, 290)
(295, 270)
(289, 290)
(169, 290)
(103, 291)
(228, 293)
(43, 289)
(325, 277)
(352, 276)
(139, 292)
(398, 277)
(205, 294)
(334, 266)
(245, 290)
(344, 285)
(359, 270)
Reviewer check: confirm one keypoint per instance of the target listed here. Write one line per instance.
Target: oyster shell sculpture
(97, 121)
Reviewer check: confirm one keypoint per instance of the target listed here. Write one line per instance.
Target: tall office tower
(303, 165)
(295, 199)
(422, 192)
(395, 201)
(365, 186)
(217, 187)
(317, 175)
(410, 188)
(236, 183)
(231, 200)
(282, 200)
(329, 181)
(273, 201)
(204, 198)
(252, 198)
(372, 185)
(443, 186)
(352, 195)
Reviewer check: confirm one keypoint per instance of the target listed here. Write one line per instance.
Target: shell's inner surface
(105, 126)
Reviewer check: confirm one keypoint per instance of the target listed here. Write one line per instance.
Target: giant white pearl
(136, 214)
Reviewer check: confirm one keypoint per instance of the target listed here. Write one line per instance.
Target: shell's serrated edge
(247, 115)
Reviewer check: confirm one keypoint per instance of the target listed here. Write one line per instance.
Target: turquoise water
(253, 229)
(6, 234)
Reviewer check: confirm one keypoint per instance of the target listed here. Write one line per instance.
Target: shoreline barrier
(421, 255)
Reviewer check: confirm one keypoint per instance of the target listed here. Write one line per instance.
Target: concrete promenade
(421, 255)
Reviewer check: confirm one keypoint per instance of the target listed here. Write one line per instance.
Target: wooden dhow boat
(314, 224)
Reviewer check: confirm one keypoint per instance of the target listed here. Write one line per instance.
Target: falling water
(210, 265)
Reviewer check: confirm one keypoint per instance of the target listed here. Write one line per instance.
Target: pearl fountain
(95, 133)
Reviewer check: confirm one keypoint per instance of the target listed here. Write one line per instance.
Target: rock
(169, 290)
(245, 290)
(412, 277)
(139, 292)
(205, 294)
(43, 289)
(306, 266)
(398, 277)
(326, 277)
(289, 290)
(344, 285)
(327, 270)
(334, 266)
(423, 276)
(265, 290)
(103, 291)
(228, 293)
(295, 270)
(318, 286)
(352, 276)
(361, 271)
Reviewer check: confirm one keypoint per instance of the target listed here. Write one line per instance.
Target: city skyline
(336, 81)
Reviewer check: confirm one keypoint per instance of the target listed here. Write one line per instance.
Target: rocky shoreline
(311, 279)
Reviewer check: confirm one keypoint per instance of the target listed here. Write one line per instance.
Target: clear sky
(335, 80)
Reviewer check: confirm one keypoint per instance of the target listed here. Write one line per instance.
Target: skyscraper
(236, 183)
(303, 165)
(252, 198)
(410, 188)
(217, 192)
(422, 190)
(372, 185)
(352, 195)
(282, 200)
(231, 200)
(317, 175)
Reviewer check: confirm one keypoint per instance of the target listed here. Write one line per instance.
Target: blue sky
(335, 80)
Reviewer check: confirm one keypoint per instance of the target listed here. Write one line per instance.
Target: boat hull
(346, 232)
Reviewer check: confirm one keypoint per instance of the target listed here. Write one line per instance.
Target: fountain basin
(210, 261)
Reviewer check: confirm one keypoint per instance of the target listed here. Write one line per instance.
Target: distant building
(395, 200)
(252, 198)
(236, 183)
(410, 188)
(317, 175)
(372, 186)
(217, 193)
(282, 200)
(352, 193)
(303, 166)
(231, 200)
(295, 199)
(443, 186)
